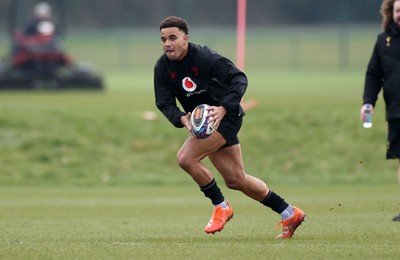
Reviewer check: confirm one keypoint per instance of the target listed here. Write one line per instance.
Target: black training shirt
(202, 77)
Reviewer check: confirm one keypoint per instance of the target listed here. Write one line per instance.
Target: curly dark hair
(387, 12)
(174, 21)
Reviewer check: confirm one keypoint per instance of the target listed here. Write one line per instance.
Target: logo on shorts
(188, 84)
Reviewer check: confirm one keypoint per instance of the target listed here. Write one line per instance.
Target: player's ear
(186, 37)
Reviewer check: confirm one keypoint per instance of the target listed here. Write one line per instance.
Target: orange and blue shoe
(290, 225)
(219, 218)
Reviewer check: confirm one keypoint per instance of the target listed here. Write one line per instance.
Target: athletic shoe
(396, 218)
(219, 218)
(290, 225)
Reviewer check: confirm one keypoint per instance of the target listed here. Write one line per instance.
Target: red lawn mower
(37, 60)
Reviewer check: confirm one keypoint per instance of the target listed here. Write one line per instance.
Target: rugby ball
(201, 128)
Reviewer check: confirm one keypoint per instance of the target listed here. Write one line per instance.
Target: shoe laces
(286, 225)
(278, 225)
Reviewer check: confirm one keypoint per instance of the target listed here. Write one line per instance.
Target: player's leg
(193, 151)
(189, 159)
(228, 161)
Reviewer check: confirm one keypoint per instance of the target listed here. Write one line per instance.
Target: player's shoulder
(161, 62)
(163, 58)
(201, 49)
(203, 53)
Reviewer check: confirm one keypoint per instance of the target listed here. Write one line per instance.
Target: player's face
(174, 43)
(396, 12)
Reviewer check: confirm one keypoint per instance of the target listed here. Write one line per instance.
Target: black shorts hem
(229, 129)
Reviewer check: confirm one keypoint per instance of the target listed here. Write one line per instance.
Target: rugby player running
(193, 74)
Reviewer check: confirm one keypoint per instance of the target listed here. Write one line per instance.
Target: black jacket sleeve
(233, 81)
(373, 78)
(165, 99)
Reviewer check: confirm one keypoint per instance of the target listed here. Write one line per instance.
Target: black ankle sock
(275, 202)
(212, 192)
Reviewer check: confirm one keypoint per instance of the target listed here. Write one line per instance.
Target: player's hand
(185, 120)
(216, 114)
(363, 109)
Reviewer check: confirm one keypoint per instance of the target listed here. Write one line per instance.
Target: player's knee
(184, 161)
(236, 180)
(234, 184)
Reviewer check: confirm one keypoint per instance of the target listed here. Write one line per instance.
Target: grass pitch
(84, 176)
(350, 222)
(306, 129)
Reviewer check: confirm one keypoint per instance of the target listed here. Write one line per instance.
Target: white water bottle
(368, 116)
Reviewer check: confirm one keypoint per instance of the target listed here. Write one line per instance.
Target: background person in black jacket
(194, 75)
(384, 72)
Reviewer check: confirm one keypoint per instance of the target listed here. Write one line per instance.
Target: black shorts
(393, 144)
(229, 128)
